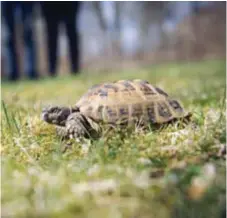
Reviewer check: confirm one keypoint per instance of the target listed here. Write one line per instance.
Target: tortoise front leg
(62, 132)
(78, 126)
(75, 127)
(65, 135)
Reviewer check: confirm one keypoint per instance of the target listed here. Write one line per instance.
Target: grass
(168, 173)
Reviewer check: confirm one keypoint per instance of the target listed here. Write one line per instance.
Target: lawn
(172, 172)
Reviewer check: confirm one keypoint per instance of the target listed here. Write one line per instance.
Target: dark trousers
(55, 13)
(8, 10)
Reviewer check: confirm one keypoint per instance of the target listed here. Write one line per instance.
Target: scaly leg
(62, 132)
(78, 126)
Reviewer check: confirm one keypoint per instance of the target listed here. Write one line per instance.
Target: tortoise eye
(55, 109)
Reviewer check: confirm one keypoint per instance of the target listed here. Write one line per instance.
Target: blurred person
(9, 9)
(54, 13)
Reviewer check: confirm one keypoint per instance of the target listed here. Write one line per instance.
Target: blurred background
(40, 39)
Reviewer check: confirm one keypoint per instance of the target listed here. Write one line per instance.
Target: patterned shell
(129, 101)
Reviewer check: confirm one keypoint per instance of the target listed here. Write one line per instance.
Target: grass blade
(6, 115)
(15, 124)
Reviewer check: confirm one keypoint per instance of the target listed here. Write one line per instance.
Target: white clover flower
(93, 170)
(32, 171)
(212, 116)
(15, 207)
(142, 180)
(94, 187)
(85, 148)
(115, 168)
(144, 161)
(129, 173)
(34, 145)
(209, 171)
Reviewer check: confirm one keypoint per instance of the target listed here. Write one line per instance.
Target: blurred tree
(153, 13)
(149, 17)
(99, 12)
(195, 7)
(111, 30)
(118, 6)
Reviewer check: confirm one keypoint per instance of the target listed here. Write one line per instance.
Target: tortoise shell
(129, 101)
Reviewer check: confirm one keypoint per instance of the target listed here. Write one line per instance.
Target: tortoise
(123, 103)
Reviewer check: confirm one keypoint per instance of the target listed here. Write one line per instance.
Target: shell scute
(151, 112)
(160, 91)
(111, 87)
(102, 93)
(147, 90)
(128, 85)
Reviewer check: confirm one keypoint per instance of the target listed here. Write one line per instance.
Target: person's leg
(72, 33)
(29, 42)
(52, 38)
(52, 24)
(8, 11)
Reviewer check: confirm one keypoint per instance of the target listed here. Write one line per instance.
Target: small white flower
(129, 172)
(144, 161)
(115, 168)
(204, 96)
(45, 176)
(85, 148)
(212, 116)
(169, 148)
(209, 171)
(33, 171)
(172, 178)
(17, 174)
(94, 187)
(93, 170)
(142, 180)
(34, 145)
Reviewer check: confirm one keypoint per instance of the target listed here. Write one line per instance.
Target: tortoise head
(57, 115)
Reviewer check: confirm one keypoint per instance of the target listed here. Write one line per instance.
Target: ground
(173, 172)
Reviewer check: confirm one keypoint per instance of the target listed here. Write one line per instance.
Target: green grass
(168, 173)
